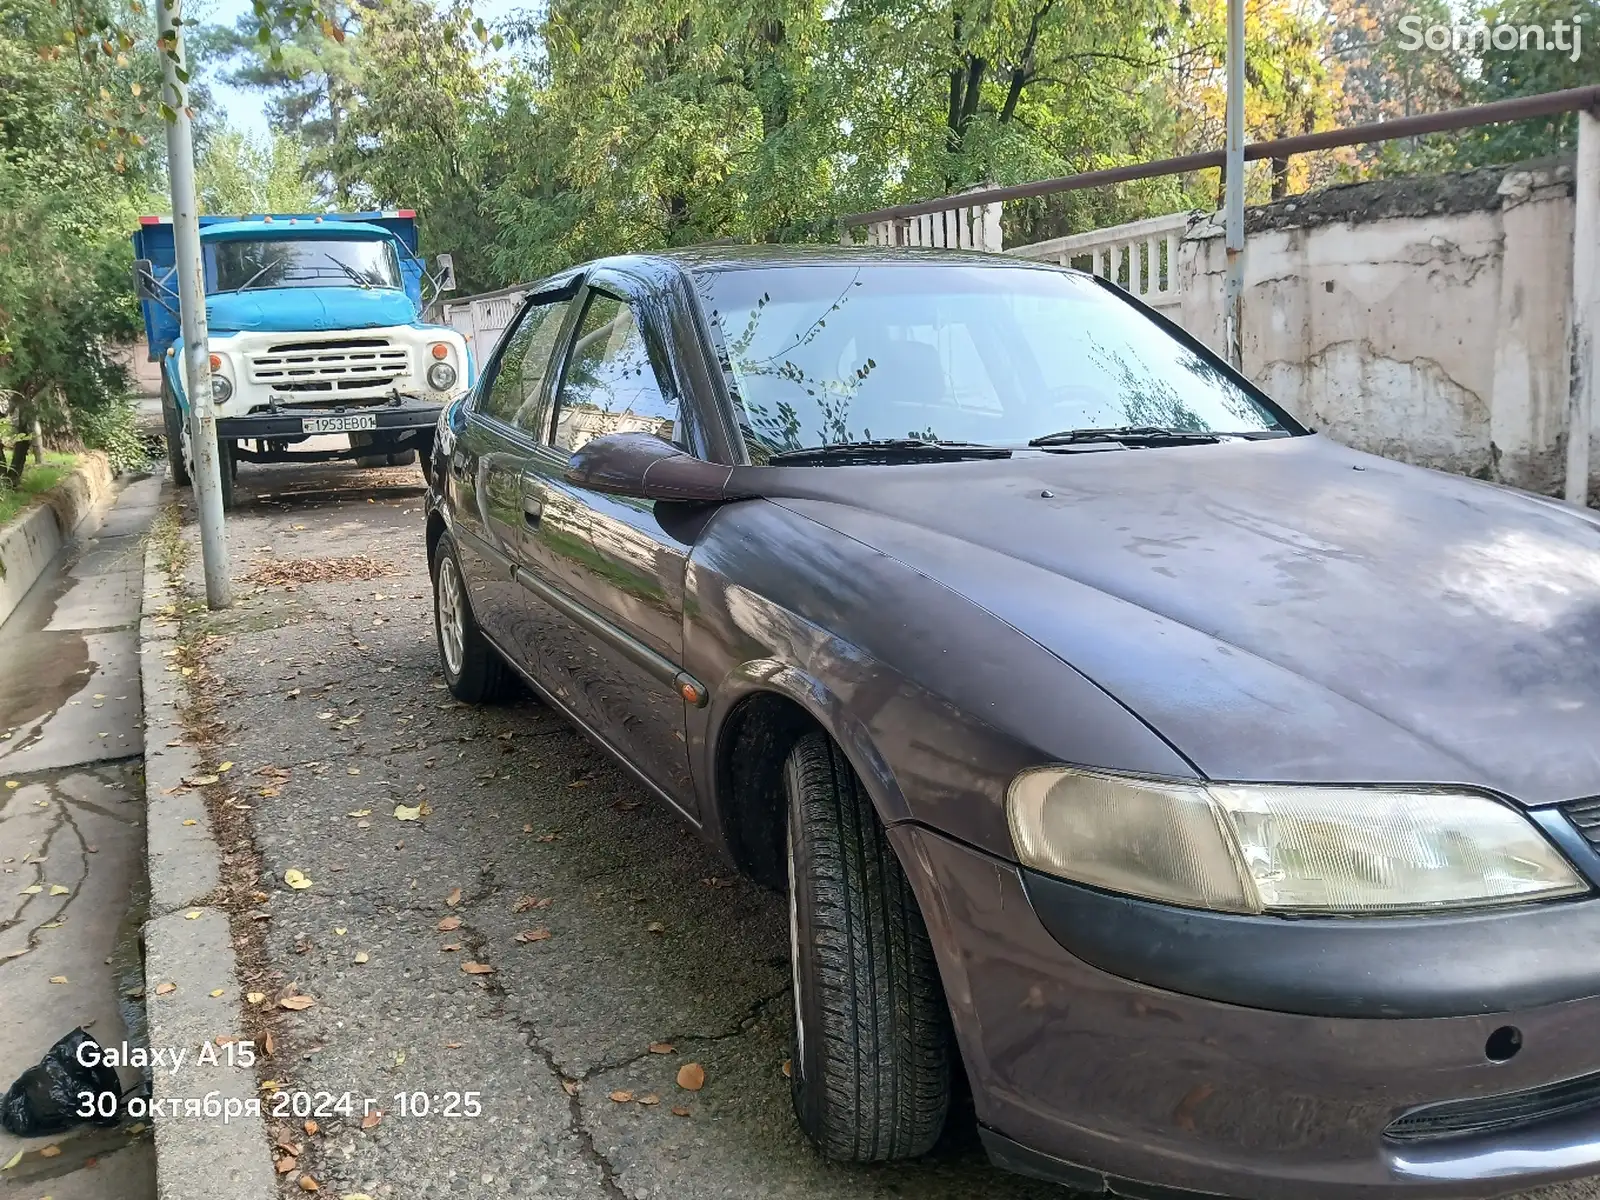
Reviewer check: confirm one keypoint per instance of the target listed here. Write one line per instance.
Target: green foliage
(114, 428)
(76, 164)
(236, 173)
(37, 478)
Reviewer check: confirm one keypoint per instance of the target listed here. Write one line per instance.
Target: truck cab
(314, 327)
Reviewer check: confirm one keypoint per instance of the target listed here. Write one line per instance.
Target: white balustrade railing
(972, 228)
(482, 320)
(1141, 256)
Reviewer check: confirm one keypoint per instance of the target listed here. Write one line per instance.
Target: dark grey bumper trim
(1498, 960)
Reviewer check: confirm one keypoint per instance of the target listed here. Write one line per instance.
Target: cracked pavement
(652, 941)
(327, 700)
(72, 826)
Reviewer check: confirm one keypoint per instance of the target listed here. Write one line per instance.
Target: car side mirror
(646, 467)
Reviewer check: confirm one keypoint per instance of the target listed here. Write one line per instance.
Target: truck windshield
(314, 262)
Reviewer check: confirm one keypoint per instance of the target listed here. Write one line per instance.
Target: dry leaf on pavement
(454, 898)
(691, 1077)
(680, 1112)
(370, 1121)
(301, 1003)
(621, 1097)
(449, 923)
(296, 879)
(661, 1047)
(477, 968)
(533, 935)
(163, 988)
(286, 1164)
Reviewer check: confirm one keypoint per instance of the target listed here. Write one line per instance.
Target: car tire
(473, 669)
(172, 422)
(870, 1064)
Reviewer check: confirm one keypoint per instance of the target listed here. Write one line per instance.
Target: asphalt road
(328, 703)
(72, 818)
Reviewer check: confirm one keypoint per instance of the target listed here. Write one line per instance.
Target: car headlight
(440, 376)
(1277, 848)
(221, 388)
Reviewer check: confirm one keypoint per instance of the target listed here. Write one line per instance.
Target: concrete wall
(1425, 320)
(34, 536)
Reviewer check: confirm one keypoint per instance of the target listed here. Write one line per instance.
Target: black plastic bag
(48, 1098)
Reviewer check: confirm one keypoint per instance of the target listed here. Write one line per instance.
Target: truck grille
(1585, 814)
(352, 364)
(1483, 1114)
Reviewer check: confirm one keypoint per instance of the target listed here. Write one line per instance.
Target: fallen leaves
(308, 1184)
(50, 1152)
(360, 812)
(662, 1047)
(621, 1097)
(404, 812)
(57, 890)
(649, 1098)
(691, 1077)
(255, 997)
(680, 1112)
(201, 780)
(569, 1086)
(370, 1121)
(297, 1003)
(17, 1157)
(296, 879)
(31, 890)
(449, 923)
(477, 968)
(345, 568)
(215, 992)
(454, 898)
(361, 956)
(533, 935)
(163, 989)
(525, 903)
(58, 979)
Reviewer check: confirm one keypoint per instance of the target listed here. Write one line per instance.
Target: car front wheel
(871, 1064)
(473, 669)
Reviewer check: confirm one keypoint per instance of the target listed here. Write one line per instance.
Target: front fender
(937, 703)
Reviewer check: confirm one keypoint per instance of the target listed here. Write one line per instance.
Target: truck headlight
(221, 388)
(1277, 848)
(441, 375)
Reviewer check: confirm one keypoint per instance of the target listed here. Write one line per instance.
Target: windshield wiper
(245, 286)
(888, 451)
(360, 280)
(1144, 435)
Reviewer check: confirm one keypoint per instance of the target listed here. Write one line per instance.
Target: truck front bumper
(283, 424)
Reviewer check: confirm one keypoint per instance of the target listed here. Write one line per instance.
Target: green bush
(114, 428)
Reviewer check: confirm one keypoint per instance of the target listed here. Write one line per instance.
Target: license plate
(352, 424)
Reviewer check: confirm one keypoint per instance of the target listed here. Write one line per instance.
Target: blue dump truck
(315, 327)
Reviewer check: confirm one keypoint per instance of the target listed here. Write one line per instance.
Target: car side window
(516, 394)
(610, 385)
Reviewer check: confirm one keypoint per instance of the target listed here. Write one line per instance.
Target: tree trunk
(38, 443)
(19, 459)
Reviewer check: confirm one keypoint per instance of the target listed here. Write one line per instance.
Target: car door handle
(532, 510)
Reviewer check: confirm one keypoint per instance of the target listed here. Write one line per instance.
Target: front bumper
(1106, 1084)
(285, 423)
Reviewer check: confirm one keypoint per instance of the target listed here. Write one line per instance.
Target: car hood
(299, 309)
(1284, 610)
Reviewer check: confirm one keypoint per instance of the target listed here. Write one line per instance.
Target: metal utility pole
(1582, 407)
(205, 469)
(1233, 191)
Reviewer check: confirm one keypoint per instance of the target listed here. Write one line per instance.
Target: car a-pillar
(872, 1053)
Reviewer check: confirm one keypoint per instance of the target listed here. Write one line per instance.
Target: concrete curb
(188, 944)
(29, 543)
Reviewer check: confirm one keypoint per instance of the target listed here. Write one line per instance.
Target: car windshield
(828, 354)
(313, 262)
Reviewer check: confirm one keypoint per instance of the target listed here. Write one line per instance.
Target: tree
(236, 173)
(77, 164)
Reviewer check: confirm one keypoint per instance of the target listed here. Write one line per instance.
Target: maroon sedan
(1222, 801)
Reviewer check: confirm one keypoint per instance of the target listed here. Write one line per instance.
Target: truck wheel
(172, 419)
(473, 669)
(406, 458)
(228, 469)
(870, 1065)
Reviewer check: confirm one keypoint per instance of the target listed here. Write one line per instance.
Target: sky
(246, 107)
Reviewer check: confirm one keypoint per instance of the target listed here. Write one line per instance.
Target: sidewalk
(73, 804)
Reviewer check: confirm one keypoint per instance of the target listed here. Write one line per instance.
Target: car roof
(734, 257)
